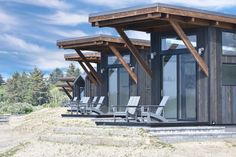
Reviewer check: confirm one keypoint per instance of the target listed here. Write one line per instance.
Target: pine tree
(13, 88)
(39, 88)
(55, 75)
(72, 71)
(1, 80)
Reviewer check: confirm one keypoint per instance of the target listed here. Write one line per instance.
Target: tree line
(34, 88)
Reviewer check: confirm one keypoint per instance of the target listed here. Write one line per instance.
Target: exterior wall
(202, 81)
(222, 98)
(143, 88)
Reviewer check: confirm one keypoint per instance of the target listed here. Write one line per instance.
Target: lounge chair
(73, 104)
(96, 107)
(82, 105)
(130, 111)
(146, 113)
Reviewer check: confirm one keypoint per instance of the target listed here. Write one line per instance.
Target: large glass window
(173, 43)
(228, 43)
(113, 59)
(229, 74)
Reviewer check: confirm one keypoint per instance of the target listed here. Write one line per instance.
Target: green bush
(15, 108)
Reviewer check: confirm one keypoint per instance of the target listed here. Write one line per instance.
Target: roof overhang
(67, 79)
(155, 17)
(100, 43)
(90, 57)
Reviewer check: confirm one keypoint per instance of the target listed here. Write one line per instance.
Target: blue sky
(30, 28)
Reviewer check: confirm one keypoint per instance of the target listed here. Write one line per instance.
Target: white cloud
(110, 3)
(57, 4)
(210, 4)
(50, 61)
(19, 44)
(6, 18)
(68, 34)
(66, 18)
(7, 21)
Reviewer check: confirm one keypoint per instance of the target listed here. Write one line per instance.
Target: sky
(29, 29)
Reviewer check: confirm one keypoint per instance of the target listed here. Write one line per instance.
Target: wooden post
(88, 73)
(135, 52)
(189, 45)
(94, 73)
(122, 61)
(67, 93)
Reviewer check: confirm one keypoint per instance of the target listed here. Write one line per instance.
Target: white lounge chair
(96, 108)
(83, 105)
(130, 111)
(146, 113)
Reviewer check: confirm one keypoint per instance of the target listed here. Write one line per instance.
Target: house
(117, 75)
(193, 58)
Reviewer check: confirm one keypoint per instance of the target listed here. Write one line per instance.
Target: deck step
(183, 134)
(186, 129)
(183, 137)
(99, 140)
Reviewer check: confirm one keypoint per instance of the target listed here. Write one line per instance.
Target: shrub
(16, 108)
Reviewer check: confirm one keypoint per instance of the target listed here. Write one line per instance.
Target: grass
(13, 150)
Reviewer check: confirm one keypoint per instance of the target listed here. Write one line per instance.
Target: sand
(20, 138)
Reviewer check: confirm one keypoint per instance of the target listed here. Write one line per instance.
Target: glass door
(179, 83)
(169, 85)
(187, 87)
(118, 87)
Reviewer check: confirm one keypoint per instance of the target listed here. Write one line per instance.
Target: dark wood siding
(202, 80)
(214, 75)
(228, 109)
(228, 101)
(143, 87)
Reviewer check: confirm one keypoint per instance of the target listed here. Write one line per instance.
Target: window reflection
(176, 43)
(229, 43)
(229, 74)
(113, 59)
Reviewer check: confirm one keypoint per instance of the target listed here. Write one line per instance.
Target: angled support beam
(189, 45)
(135, 52)
(88, 73)
(94, 73)
(122, 61)
(69, 85)
(67, 93)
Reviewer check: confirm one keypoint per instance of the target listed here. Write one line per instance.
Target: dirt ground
(20, 138)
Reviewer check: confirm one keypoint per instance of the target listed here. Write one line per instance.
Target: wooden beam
(189, 45)
(135, 52)
(69, 85)
(122, 61)
(67, 93)
(94, 73)
(88, 73)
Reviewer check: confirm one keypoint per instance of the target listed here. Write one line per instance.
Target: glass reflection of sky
(176, 43)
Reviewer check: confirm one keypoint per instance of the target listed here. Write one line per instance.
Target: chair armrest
(147, 107)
